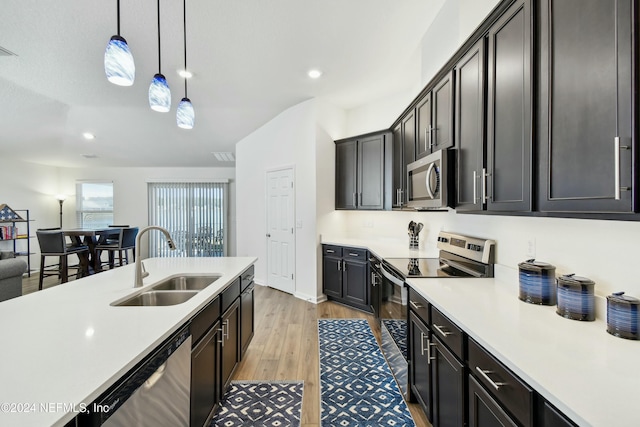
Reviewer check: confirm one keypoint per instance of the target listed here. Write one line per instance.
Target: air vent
(224, 157)
(6, 52)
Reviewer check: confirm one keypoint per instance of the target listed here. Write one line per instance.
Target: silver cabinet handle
(428, 181)
(373, 279)
(442, 331)
(225, 335)
(222, 331)
(353, 254)
(429, 358)
(344, 266)
(401, 197)
(475, 187)
(330, 251)
(422, 337)
(339, 262)
(616, 155)
(484, 372)
(427, 137)
(416, 306)
(431, 130)
(484, 184)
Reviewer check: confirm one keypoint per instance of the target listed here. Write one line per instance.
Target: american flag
(7, 214)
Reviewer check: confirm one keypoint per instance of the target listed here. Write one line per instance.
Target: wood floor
(285, 343)
(285, 346)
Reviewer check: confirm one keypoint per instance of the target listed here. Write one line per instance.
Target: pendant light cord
(184, 7)
(118, 8)
(159, 61)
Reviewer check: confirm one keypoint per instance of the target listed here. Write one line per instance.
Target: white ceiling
(249, 59)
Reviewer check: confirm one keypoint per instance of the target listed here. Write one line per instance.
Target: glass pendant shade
(118, 62)
(159, 94)
(185, 116)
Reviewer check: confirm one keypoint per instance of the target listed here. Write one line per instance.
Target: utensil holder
(414, 242)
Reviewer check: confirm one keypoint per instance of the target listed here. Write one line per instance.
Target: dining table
(90, 237)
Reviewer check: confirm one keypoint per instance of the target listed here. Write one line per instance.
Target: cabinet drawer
(355, 254)
(246, 278)
(420, 306)
(202, 321)
(447, 332)
(230, 294)
(331, 250)
(514, 395)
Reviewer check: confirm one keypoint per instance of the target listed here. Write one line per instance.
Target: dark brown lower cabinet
(484, 411)
(205, 376)
(229, 343)
(420, 372)
(447, 379)
(551, 417)
(246, 318)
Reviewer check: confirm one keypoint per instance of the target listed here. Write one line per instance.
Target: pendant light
(185, 115)
(159, 92)
(118, 60)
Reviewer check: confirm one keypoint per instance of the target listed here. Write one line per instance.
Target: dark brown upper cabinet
(508, 185)
(586, 116)
(434, 115)
(469, 133)
(404, 145)
(363, 172)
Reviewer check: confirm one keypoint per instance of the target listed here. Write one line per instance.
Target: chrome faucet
(141, 273)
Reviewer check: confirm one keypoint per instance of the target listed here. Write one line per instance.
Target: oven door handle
(391, 277)
(454, 265)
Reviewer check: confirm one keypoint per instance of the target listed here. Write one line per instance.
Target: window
(195, 213)
(94, 204)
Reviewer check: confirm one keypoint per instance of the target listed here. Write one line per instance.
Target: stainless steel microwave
(428, 181)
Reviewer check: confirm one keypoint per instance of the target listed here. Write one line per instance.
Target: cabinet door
(586, 98)
(469, 135)
(551, 417)
(205, 376)
(375, 297)
(399, 167)
(332, 276)
(247, 310)
(346, 174)
(420, 366)
(229, 343)
(509, 112)
(442, 118)
(484, 411)
(448, 387)
(371, 173)
(424, 126)
(355, 283)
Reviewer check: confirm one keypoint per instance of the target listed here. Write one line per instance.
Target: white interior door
(280, 230)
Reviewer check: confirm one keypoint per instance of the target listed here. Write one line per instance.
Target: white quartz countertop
(590, 375)
(66, 345)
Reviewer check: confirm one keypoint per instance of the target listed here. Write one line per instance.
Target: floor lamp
(61, 198)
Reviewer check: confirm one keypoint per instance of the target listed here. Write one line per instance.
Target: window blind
(195, 213)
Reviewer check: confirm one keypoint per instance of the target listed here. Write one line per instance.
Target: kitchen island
(66, 345)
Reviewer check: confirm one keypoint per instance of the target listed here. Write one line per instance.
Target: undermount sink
(157, 298)
(186, 283)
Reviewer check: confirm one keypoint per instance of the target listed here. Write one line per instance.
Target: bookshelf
(15, 235)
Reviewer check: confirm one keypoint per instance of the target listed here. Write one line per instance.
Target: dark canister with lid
(575, 298)
(623, 319)
(537, 282)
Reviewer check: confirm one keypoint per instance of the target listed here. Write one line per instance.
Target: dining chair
(53, 244)
(125, 242)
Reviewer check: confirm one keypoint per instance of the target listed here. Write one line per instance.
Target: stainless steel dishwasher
(156, 393)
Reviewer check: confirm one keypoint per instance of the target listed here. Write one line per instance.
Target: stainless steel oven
(429, 180)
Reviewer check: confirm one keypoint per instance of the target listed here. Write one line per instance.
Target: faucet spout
(140, 272)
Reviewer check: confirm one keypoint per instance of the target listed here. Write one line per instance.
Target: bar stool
(53, 244)
(125, 242)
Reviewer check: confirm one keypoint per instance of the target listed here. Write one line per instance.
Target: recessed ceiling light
(185, 74)
(88, 136)
(314, 74)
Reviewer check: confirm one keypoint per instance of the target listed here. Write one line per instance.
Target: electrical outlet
(531, 248)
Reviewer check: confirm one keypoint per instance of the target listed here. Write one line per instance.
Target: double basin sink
(171, 291)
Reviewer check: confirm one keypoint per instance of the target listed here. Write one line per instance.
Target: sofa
(11, 271)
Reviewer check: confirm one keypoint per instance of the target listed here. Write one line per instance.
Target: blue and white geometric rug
(356, 385)
(260, 404)
(398, 330)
